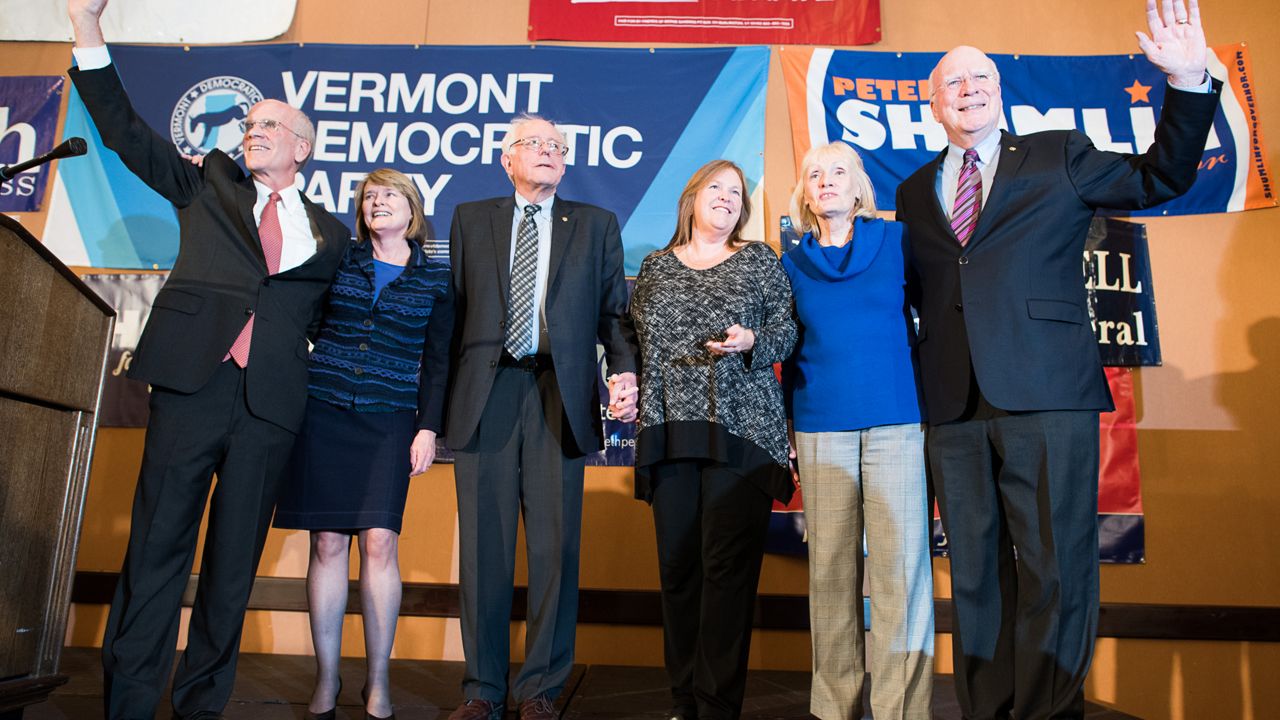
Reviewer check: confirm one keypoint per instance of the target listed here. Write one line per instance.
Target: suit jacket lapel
(929, 187)
(1011, 156)
(562, 223)
(246, 196)
(500, 226)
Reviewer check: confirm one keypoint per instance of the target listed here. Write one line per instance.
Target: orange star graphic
(1138, 92)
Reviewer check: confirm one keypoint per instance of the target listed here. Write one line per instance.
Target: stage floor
(277, 687)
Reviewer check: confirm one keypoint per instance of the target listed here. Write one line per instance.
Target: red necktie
(272, 244)
(964, 215)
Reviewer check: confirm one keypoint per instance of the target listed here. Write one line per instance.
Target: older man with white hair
(1010, 368)
(225, 354)
(539, 281)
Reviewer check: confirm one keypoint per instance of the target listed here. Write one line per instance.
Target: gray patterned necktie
(524, 271)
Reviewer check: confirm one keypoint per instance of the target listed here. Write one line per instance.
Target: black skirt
(349, 471)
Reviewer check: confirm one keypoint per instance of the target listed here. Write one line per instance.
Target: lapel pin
(564, 218)
(1013, 149)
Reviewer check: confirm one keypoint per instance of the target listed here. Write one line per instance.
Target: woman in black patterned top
(712, 313)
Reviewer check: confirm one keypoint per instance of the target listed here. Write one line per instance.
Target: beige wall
(1209, 460)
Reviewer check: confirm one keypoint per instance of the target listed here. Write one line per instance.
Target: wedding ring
(1184, 22)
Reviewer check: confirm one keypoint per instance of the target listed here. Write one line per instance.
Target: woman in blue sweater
(853, 397)
(378, 374)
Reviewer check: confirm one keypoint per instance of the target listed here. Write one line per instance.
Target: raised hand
(1176, 44)
(85, 21)
(86, 8)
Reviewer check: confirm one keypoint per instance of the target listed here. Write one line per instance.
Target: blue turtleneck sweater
(853, 366)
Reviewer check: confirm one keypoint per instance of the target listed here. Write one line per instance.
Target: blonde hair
(398, 181)
(864, 204)
(684, 209)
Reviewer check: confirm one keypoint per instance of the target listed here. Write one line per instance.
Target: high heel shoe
(364, 695)
(329, 714)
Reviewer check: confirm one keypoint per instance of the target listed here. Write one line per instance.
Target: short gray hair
(520, 120)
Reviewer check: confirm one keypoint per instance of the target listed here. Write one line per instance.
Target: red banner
(733, 22)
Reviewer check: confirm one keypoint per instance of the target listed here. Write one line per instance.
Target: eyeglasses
(983, 80)
(536, 144)
(267, 125)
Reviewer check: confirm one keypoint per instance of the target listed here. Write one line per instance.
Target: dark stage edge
(278, 687)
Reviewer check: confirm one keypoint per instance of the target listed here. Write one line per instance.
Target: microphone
(72, 147)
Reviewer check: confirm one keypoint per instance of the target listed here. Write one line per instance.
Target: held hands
(623, 393)
(1176, 44)
(422, 452)
(737, 339)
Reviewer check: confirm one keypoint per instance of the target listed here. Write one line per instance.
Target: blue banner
(638, 123)
(28, 121)
(878, 102)
(1122, 298)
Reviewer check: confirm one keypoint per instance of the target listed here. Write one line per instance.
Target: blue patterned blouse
(389, 350)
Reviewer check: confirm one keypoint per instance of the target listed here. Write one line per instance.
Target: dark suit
(207, 415)
(1013, 385)
(520, 435)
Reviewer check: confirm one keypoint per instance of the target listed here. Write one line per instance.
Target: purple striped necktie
(964, 214)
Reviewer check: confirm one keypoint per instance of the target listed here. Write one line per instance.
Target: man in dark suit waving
(225, 351)
(1010, 367)
(538, 281)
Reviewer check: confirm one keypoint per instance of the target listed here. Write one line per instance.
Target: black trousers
(711, 523)
(189, 438)
(1018, 495)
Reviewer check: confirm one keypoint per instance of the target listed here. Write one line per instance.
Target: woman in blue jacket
(375, 406)
(853, 397)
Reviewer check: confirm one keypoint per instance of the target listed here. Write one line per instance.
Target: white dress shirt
(949, 172)
(299, 242)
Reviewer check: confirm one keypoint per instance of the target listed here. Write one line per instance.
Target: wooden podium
(54, 338)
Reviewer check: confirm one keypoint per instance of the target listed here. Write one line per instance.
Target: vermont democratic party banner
(879, 103)
(638, 123)
(28, 121)
(730, 22)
